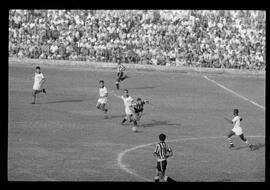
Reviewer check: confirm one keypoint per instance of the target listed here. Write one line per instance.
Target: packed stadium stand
(203, 38)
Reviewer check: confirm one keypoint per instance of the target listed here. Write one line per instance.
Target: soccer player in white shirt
(39, 80)
(103, 93)
(237, 130)
(128, 101)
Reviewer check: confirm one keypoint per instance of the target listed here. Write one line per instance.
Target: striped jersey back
(161, 150)
(121, 68)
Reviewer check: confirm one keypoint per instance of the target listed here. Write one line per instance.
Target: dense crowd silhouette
(203, 38)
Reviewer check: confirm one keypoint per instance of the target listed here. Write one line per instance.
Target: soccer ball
(134, 129)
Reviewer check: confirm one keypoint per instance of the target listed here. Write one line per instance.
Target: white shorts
(237, 131)
(37, 86)
(128, 111)
(102, 100)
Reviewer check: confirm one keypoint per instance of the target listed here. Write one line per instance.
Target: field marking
(132, 172)
(243, 97)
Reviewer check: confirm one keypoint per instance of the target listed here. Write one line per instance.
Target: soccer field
(63, 137)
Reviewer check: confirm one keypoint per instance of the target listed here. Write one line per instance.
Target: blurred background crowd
(203, 38)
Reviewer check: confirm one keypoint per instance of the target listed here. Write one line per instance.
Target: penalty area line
(229, 90)
(133, 172)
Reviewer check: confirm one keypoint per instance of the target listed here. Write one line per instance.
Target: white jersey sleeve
(234, 119)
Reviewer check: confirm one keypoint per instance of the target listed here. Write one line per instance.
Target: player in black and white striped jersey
(162, 152)
(138, 110)
(120, 74)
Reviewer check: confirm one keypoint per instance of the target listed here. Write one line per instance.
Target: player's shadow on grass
(143, 87)
(156, 123)
(256, 146)
(65, 101)
(117, 116)
(139, 131)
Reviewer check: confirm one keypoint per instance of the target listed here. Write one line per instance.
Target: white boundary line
(132, 172)
(220, 85)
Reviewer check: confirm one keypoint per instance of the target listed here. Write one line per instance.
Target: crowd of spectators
(205, 38)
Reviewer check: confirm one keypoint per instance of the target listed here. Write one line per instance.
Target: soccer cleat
(170, 179)
(231, 146)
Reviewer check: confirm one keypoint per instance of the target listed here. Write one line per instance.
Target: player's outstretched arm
(147, 101)
(228, 120)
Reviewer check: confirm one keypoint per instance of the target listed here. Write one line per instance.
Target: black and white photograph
(134, 95)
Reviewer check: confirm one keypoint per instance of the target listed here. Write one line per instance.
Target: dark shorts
(36, 91)
(120, 77)
(161, 166)
(137, 115)
(100, 105)
(120, 74)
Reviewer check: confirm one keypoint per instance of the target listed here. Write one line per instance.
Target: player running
(237, 130)
(120, 74)
(128, 100)
(162, 152)
(103, 93)
(138, 109)
(39, 80)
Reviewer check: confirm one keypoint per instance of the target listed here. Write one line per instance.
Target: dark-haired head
(235, 112)
(162, 137)
(126, 93)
